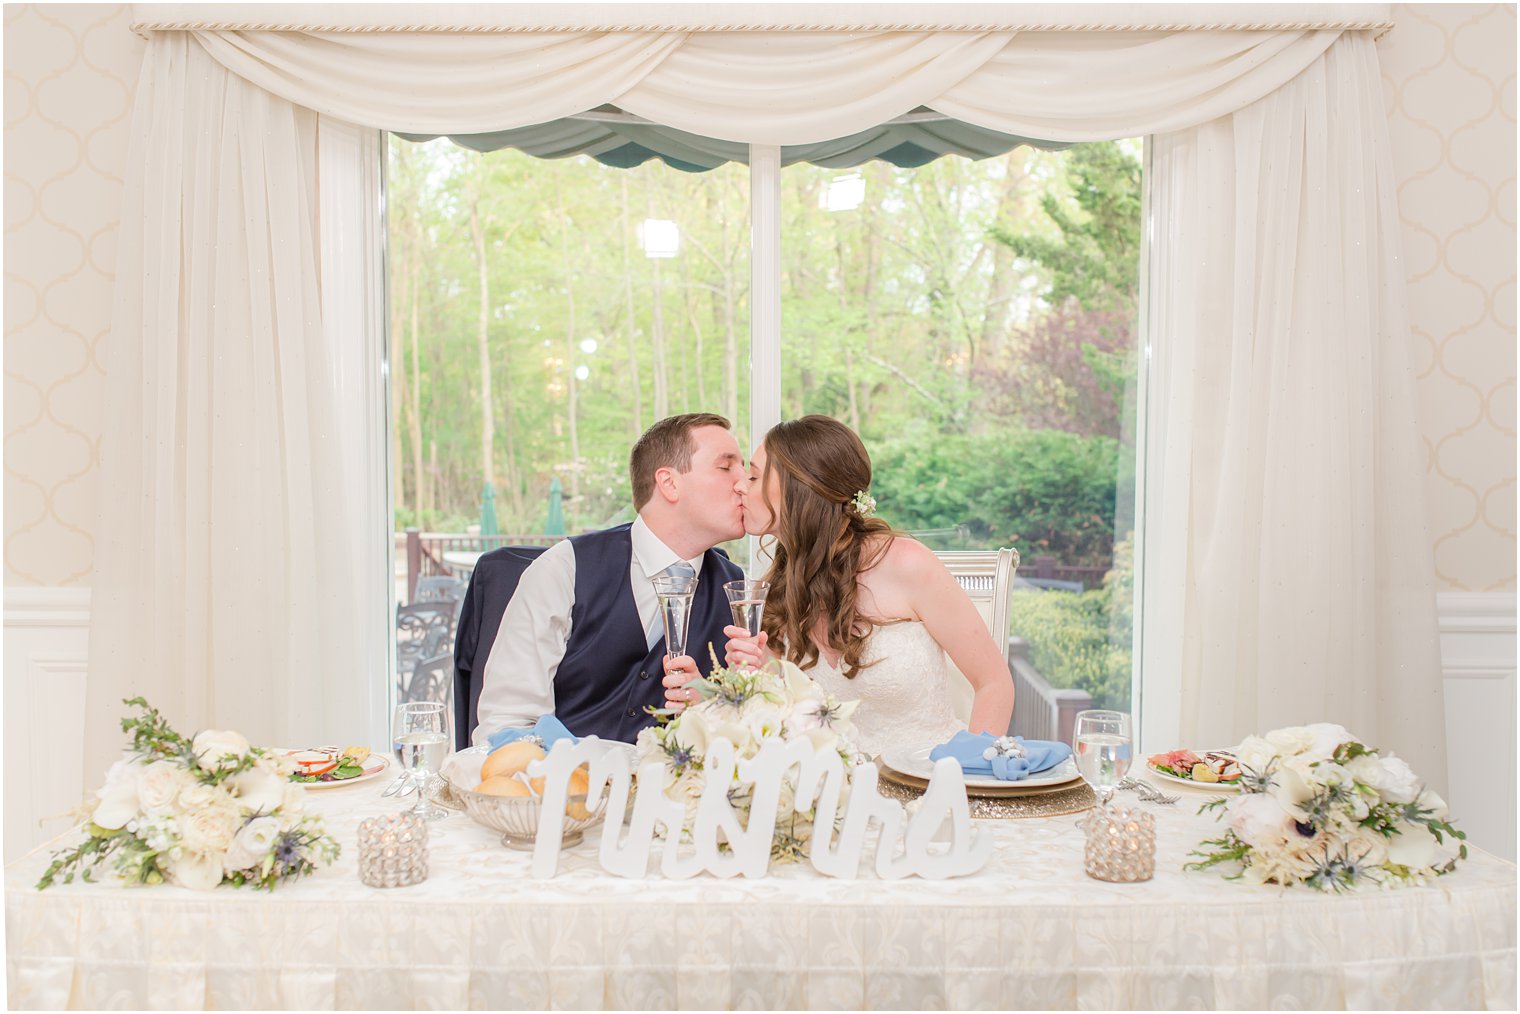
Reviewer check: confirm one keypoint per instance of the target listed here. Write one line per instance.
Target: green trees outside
(974, 321)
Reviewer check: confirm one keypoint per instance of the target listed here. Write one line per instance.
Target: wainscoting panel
(46, 645)
(1478, 670)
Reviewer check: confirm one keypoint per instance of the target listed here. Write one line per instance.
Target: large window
(973, 320)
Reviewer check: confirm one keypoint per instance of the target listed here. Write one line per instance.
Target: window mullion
(765, 301)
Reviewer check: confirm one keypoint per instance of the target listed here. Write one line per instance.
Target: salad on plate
(1211, 767)
(329, 764)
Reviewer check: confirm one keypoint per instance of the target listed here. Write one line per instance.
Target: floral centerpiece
(747, 706)
(1320, 808)
(195, 812)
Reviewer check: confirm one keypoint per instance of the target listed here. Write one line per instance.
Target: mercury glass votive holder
(393, 850)
(1121, 844)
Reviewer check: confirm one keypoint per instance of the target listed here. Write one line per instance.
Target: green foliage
(1041, 491)
(1096, 257)
(1074, 643)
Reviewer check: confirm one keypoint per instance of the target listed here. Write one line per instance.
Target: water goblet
(420, 736)
(747, 600)
(1101, 743)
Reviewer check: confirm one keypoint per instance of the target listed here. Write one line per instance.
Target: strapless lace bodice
(904, 698)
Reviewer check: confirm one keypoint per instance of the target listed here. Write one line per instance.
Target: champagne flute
(675, 594)
(1101, 742)
(420, 736)
(747, 600)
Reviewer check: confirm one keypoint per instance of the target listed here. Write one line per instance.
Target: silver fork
(1148, 792)
(401, 786)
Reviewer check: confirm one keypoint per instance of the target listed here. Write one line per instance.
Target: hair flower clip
(864, 503)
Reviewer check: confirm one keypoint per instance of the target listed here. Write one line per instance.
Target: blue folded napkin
(548, 729)
(969, 747)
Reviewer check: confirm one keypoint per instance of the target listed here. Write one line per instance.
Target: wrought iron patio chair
(440, 589)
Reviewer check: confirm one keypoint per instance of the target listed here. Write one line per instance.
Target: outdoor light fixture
(659, 237)
(844, 193)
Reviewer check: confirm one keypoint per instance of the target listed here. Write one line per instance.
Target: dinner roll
(580, 782)
(510, 758)
(502, 785)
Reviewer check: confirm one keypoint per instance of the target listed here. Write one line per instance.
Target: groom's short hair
(666, 444)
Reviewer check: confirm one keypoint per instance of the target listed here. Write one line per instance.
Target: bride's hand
(743, 649)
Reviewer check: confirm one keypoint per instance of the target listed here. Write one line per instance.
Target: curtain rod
(562, 18)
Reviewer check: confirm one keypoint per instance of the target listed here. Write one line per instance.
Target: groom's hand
(679, 671)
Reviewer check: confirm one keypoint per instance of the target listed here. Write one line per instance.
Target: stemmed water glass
(1101, 742)
(420, 736)
(747, 600)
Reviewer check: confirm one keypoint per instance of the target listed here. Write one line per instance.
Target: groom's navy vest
(608, 675)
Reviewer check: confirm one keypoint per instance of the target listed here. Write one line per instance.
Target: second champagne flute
(747, 600)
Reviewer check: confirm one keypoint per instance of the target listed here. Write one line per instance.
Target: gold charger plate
(1011, 791)
(1054, 801)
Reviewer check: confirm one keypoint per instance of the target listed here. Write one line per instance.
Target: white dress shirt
(535, 630)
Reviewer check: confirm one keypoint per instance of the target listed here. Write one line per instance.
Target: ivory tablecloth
(1029, 931)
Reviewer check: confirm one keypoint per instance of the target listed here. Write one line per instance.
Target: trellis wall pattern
(1449, 82)
(70, 71)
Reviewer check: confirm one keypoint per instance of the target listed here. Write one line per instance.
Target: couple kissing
(867, 612)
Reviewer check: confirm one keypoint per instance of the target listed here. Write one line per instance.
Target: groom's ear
(665, 484)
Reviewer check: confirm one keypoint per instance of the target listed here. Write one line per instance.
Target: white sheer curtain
(222, 589)
(1286, 557)
(1287, 568)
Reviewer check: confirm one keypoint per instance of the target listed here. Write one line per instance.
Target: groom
(582, 637)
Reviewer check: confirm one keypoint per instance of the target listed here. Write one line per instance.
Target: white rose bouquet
(1318, 807)
(196, 812)
(746, 707)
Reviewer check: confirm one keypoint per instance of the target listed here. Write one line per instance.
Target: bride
(869, 613)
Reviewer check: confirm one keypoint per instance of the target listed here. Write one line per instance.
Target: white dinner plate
(374, 765)
(916, 762)
(1209, 786)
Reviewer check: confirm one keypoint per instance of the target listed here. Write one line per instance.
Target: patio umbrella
(556, 523)
(488, 523)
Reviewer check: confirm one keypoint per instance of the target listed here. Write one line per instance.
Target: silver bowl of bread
(495, 790)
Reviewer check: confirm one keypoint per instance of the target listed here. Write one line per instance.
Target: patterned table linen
(1030, 931)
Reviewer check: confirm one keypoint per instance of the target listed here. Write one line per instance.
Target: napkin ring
(1006, 746)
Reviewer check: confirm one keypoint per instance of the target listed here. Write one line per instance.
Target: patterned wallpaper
(70, 71)
(1449, 83)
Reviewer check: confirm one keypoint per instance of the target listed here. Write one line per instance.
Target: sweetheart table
(1029, 931)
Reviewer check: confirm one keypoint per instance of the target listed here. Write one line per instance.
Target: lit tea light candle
(393, 850)
(1121, 844)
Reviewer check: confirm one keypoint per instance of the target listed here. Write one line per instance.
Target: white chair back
(987, 577)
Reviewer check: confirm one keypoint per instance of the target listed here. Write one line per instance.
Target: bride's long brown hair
(823, 541)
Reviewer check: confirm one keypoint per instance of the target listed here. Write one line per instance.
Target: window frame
(355, 293)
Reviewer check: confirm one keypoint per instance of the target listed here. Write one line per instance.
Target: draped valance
(778, 87)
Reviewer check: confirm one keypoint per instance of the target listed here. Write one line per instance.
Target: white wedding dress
(904, 698)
